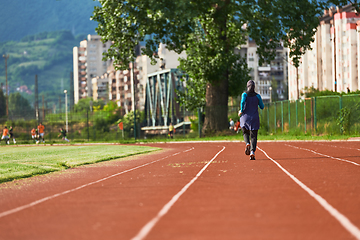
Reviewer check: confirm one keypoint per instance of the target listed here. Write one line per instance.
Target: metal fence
(91, 126)
(316, 115)
(88, 126)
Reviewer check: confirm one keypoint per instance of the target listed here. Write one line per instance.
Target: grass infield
(22, 162)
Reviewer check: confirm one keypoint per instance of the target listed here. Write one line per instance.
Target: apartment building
(267, 75)
(332, 63)
(345, 77)
(100, 87)
(87, 64)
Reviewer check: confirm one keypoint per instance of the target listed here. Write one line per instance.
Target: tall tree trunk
(216, 106)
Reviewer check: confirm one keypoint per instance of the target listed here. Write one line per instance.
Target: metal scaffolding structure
(161, 107)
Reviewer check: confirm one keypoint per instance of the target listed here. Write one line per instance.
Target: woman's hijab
(250, 88)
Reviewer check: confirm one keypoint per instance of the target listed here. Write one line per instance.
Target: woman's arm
(261, 104)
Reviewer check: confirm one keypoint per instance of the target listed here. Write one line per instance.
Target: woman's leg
(253, 136)
(246, 134)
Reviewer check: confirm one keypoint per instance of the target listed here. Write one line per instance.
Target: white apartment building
(333, 62)
(345, 51)
(100, 87)
(87, 64)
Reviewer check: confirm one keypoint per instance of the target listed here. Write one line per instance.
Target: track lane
(243, 199)
(234, 198)
(328, 176)
(107, 209)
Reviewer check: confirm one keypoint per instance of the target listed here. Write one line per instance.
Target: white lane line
(149, 226)
(335, 146)
(340, 159)
(344, 221)
(6, 213)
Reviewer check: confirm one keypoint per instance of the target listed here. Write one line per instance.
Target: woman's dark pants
(250, 134)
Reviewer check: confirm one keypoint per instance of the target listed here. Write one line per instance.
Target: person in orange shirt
(5, 135)
(33, 134)
(41, 132)
(237, 126)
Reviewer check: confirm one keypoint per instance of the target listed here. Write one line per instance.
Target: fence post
(296, 112)
(282, 116)
(289, 113)
(199, 118)
(315, 124)
(305, 114)
(275, 116)
(87, 124)
(312, 113)
(340, 102)
(50, 134)
(268, 116)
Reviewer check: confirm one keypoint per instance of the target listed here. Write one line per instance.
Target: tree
(209, 32)
(19, 106)
(84, 104)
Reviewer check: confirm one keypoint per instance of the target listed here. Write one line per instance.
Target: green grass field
(21, 162)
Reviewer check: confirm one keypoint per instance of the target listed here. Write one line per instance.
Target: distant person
(249, 117)
(63, 133)
(237, 126)
(231, 124)
(12, 134)
(41, 132)
(33, 134)
(171, 130)
(5, 135)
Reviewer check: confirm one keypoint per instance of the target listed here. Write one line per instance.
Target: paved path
(293, 190)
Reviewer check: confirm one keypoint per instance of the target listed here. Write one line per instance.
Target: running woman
(249, 117)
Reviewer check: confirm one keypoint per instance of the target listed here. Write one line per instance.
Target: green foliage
(314, 92)
(343, 120)
(209, 32)
(128, 120)
(19, 106)
(84, 104)
(274, 94)
(47, 55)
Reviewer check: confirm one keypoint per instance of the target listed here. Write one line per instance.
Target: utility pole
(36, 99)
(43, 108)
(6, 89)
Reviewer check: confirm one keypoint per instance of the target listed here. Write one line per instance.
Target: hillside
(48, 55)
(20, 18)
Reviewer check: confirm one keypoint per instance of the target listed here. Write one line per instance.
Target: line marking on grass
(149, 226)
(6, 213)
(344, 221)
(324, 155)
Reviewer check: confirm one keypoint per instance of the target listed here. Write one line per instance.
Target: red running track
(293, 190)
